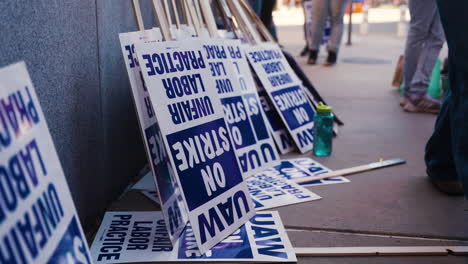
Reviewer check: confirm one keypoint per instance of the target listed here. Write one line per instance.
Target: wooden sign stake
(353, 170)
(381, 251)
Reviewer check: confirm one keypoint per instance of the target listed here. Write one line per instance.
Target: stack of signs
(196, 137)
(266, 190)
(38, 221)
(142, 237)
(303, 167)
(284, 89)
(264, 121)
(254, 147)
(174, 210)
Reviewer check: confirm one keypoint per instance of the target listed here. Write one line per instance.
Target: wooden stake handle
(138, 16)
(162, 19)
(209, 18)
(333, 174)
(381, 251)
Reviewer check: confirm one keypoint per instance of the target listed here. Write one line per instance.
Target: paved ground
(375, 206)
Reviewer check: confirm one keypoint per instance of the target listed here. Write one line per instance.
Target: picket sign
(267, 190)
(174, 210)
(280, 82)
(196, 137)
(143, 238)
(38, 220)
(285, 91)
(228, 66)
(273, 121)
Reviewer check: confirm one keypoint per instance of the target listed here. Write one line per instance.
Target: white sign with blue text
(128, 237)
(38, 220)
(281, 135)
(174, 210)
(303, 167)
(269, 191)
(254, 147)
(285, 91)
(196, 137)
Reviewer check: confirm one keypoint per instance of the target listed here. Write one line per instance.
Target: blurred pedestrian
(264, 10)
(447, 149)
(335, 9)
(423, 44)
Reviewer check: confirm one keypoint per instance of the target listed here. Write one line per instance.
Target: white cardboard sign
(269, 191)
(285, 91)
(283, 139)
(38, 220)
(174, 210)
(143, 238)
(303, 167)
(254, 147)
(196, 137)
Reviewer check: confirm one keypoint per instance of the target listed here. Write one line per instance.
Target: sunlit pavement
(395, 206)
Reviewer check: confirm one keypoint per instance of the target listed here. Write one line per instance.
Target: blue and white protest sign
(270, 191)
(283, 139)
(173, 208)
(267, 191)
(285, 91)
(196, 137)
(242, 112)
(127, 237)
(38, 220)
(304, 167)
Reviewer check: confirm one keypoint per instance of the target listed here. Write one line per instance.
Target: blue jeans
(423, 44)
(322, 9)
(447, 149)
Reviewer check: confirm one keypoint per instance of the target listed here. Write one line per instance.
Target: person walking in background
(447, 149)
(266, 15)
(423, 44)
(264, 10)
(322, 9)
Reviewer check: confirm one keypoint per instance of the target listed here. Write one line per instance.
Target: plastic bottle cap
(323, 108)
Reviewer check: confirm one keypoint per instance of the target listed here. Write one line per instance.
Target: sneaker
(313, 54)
(452, 187)
(425, 104)
(331, 59)
(304, 52)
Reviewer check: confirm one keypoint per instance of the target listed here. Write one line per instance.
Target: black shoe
(313, 54)
(331, 59)
(452, 187)
(304, 51)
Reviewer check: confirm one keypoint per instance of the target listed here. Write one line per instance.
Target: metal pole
(350, 23)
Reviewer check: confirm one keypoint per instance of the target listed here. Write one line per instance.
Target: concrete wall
(72, 51)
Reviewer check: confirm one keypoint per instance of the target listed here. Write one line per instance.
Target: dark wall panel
(72, 52)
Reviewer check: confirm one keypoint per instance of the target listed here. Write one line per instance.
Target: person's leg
(422, 17)
(305, 51)
(267, 16)
(337, 11)
(256, 6)
(319, 14)
(447, 150)
(433, 42)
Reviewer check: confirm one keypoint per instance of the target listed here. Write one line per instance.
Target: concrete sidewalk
(395, 206)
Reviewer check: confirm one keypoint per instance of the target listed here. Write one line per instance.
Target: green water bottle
(323, 130)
